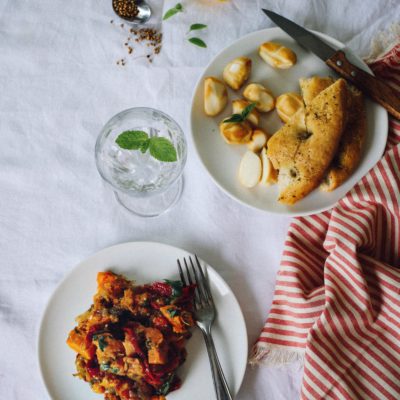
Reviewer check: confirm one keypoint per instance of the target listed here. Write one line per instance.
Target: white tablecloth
(59, 83)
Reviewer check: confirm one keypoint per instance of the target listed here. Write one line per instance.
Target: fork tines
(195, 275)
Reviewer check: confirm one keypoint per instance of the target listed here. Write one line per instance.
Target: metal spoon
(143, 15)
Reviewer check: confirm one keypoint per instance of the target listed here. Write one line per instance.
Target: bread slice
(312, 87)
(350, 147)
(303, 149)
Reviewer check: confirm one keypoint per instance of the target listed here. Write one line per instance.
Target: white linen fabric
(59, 84)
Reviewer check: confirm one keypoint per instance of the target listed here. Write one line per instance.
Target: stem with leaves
(160, 148)
(237, 118)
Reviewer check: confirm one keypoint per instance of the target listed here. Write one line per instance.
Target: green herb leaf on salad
(172, 11)
(107, 367)
(197, 41)
(176, 286)
(173, 312)
(101, 340)
(165, 388)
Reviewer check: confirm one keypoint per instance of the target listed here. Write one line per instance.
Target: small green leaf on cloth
(172, 11)
(162, 149)
(196, 27)
(197, 42)
(132, 140)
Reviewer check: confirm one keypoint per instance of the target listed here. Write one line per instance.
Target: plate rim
(63, 280)
(284, 212)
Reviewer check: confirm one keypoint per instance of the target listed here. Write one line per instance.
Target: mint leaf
(234, 118)
(172, 11)
(247, 110)
(162, 149)
(132, 140)
(198, 42)
(145, 145)
(196, 27)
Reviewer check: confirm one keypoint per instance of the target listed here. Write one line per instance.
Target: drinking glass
(142, 184)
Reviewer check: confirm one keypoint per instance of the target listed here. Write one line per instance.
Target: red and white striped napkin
(337, 298)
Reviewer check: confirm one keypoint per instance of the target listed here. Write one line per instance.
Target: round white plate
(144, 262)
(222, 160)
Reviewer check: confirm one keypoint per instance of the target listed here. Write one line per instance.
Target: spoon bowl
(142, 15)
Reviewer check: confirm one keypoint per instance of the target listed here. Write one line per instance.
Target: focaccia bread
(303, 149)
(350, 147)
(312, 87)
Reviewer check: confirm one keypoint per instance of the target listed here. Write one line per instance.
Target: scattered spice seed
(112, 21)
(148, 37)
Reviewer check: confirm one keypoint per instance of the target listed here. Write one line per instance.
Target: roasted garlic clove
(239, 105)
(250, 169)
(277, 55)
(258, 140)
(288, 104)
(215, 96)
(236, 132)
(259, 94)
(269, 174)
(237, 72)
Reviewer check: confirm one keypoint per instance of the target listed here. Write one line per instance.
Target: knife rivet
(353, 73)
(339, 63)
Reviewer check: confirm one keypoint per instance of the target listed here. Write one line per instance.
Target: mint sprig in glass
(161, 148)
(141, 153)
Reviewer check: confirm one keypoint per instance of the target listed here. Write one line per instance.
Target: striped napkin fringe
(336, 307)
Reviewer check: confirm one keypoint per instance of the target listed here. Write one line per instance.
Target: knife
(337, 60)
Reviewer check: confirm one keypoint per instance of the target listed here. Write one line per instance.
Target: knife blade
(377, 89)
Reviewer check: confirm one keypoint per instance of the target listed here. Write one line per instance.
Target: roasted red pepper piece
(132, 337)
(93, 369)
(162, 288)
(160, 322)
(148, 377)
(188, 292)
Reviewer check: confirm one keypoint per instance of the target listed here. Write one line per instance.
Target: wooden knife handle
(367, 83)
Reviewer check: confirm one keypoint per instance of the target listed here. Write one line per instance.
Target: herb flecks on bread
(303, 149)
(349, 152)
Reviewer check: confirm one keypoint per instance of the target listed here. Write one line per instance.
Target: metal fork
(205, 315)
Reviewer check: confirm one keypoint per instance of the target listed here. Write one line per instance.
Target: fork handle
(220, 385)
